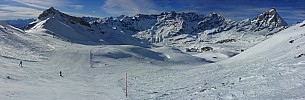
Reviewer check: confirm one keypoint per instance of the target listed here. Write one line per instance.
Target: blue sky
(291, 10)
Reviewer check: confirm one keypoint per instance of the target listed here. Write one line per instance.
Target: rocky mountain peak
(48, 12)
(52, 12)
(214, 17)
(273, 10)
(269, 19)
(213, 20)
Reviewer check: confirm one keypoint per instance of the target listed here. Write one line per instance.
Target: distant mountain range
(19, 23)
(165, 56)
(191, 31)
(168, 28)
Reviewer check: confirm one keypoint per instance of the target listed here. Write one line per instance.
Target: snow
(272, 69)
(90, 72)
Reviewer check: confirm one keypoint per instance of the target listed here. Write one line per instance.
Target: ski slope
(90, 72)
(271, 69)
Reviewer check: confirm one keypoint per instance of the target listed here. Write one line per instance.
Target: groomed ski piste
(272, 69)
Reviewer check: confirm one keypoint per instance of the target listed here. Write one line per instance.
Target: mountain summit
(49, 12)
(53, 13)
(269, 19)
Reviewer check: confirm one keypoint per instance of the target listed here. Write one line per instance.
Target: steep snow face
(67, 27)
(78, 30)
(60, 27)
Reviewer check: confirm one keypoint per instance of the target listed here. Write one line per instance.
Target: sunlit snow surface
(269, 70)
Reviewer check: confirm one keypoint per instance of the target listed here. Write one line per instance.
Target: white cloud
(129, 7)
(42, 4)
(77, 7)
(10, 12)
(32, 8)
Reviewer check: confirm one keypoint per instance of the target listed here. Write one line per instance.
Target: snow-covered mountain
(19, 23)
(183, 30)
(269, 69)
(168, 28)
(269, 19)
(78, 30)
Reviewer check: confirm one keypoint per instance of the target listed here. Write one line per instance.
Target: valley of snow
(271, 69)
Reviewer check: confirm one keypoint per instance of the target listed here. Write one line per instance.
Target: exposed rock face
(268, 19)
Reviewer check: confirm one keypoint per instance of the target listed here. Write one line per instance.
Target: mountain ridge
(174, 29)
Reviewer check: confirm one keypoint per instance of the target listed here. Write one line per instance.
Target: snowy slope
(90, 72)
(94, 75)
(17, 44)
(281, 41)
(272, 69)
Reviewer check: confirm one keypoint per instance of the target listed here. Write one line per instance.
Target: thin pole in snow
(126, 84)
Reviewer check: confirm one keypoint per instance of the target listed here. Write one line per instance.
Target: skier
(20, 64)
(60, 74)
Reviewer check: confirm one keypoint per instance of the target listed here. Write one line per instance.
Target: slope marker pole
(126, 84)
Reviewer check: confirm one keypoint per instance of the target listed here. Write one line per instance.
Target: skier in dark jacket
(20, 64)
(60, 73)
